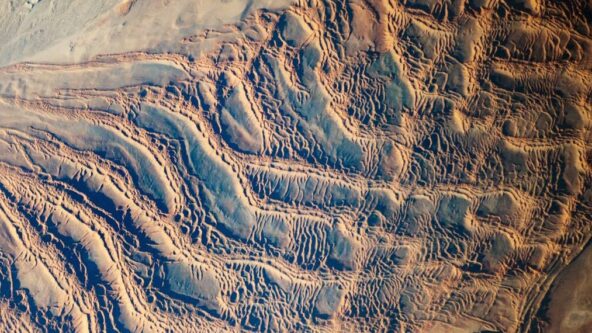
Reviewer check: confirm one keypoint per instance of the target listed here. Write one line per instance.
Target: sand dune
(305, 166)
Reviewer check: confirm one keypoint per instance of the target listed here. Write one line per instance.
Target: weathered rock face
(317, 166)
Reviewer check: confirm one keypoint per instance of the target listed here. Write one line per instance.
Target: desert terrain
(295, 166)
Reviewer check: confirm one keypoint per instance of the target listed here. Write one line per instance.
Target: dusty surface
(569, 302)
(318, 166)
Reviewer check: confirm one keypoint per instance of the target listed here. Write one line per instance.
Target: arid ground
(296, 166)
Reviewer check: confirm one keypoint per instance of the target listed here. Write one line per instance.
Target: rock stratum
(315, 166)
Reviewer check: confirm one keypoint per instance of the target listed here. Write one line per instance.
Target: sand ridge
(316, 166)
